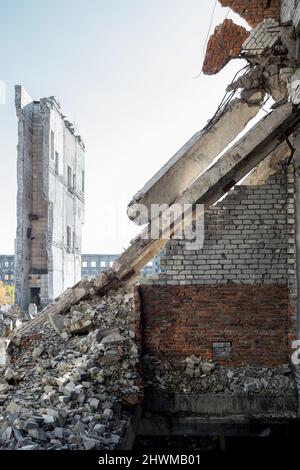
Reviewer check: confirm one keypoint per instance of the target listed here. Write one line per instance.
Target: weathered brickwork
(233, 301)
(228, 38)
(252, 322)
(249, 238)
(254, 11)
(224, 45)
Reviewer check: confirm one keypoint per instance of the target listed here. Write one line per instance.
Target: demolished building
(214, 333)
(50, 201)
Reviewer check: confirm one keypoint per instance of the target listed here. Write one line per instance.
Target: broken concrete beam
(236, 163)
(268, 167)
(242, 157)
(193, 158)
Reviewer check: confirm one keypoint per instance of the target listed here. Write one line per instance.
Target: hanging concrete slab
(194, 157)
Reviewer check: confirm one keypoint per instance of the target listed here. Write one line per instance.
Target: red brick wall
(254, 11)
(184, 320)
(225, 44)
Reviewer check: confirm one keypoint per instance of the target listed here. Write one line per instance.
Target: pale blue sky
(124, 71)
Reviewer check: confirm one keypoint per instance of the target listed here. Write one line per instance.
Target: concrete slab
(194, 157)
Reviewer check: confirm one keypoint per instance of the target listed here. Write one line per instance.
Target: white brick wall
(249, 238)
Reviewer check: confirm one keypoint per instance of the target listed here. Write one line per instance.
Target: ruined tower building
(50, 201)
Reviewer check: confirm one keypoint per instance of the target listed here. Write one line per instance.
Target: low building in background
(153, 268)
(7, 269)
(93, 265)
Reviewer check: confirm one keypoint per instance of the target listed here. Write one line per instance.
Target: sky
(126, 72)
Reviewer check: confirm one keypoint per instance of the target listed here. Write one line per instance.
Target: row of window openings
(103, 264)
(8, 264)
(71, 177)
(8, 277)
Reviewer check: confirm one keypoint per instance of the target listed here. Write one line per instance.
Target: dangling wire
(209, 28)
(226, 99)
(208, 33)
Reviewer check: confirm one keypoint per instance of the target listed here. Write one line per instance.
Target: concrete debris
(57, 322)
(10, 376)
(251, 386)
(253, 79)
(207, 367)
(37, 352)
(68, 392)
(193, 376)
(254, 96)
(80, 327)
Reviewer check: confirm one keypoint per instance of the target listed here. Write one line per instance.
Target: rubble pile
(193, 376)
(73, 380)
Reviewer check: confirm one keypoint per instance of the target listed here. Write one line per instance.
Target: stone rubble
(74, 389)
(194, 375)
(73, 380)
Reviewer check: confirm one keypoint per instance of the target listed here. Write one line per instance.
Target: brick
(238, 249)
(225, 44)
(254, 11)
(257, 320)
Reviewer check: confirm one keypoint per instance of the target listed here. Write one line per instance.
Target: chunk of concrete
(108, 413)
(59, 433)
(4, 356)
(250, 387)
(37, 352)
(207, 367)
(10, 376)
(94, 403)
(13, 407)
(99, 428)
(57, 321)
(114, 338)
(81, 327)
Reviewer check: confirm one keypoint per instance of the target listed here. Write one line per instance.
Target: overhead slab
(193, 158)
